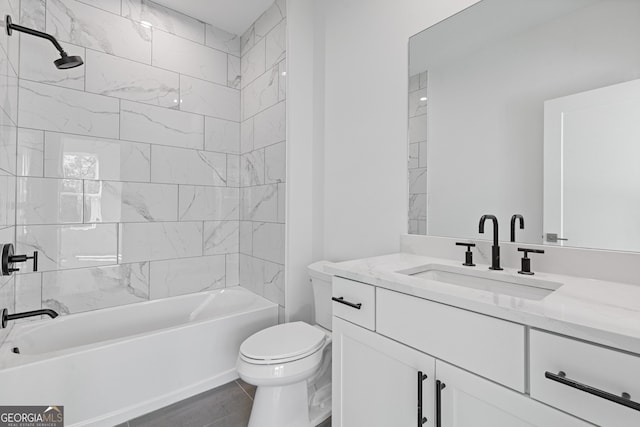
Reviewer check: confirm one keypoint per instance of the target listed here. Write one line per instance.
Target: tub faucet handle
(9, 259)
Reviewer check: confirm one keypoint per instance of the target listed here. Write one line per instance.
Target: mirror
(528, 107)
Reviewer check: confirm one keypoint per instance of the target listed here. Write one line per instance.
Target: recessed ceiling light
(284, 73)
(424, 98)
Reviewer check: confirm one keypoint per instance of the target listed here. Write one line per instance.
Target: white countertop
(603, 312)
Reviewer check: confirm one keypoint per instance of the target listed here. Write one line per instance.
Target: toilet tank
(321, 283)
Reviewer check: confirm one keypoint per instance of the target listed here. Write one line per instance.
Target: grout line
(225, 265)
(118, 239)
(129, 182)
(151, 150)
(245, 391)
(41, 290)
(222, 85)
(161, 7)
(180, 75)
(79, 224)
(178, 204)
(147, 261)
(119, 119)
(205, 34)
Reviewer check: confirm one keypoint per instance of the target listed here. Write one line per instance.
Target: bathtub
(110, 365)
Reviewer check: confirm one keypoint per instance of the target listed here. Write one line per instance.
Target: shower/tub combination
(111, 365)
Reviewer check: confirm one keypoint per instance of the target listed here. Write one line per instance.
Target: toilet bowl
(280, 361)
(291, 366)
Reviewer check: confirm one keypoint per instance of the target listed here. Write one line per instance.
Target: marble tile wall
(417, 163)
(9, 65)
(263, 155)
(127, 173)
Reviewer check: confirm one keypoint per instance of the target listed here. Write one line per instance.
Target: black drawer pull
(439, 386)
(624, 400)
(341, 300)
(421, 418)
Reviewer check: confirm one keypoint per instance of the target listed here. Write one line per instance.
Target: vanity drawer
(487, 346)
(357, 302)
(597, 369)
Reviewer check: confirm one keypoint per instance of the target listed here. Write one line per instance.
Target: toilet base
(282, 406)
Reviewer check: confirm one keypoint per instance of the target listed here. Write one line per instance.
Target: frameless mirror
(528, 107)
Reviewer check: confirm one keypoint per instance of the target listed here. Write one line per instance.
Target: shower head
(65, 60)
(68, 62)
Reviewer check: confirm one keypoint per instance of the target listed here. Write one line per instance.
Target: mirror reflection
(528, 107)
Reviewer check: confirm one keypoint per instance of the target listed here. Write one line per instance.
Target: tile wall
(263, 155)
(418, 154)
(128, 174)
(8, 132)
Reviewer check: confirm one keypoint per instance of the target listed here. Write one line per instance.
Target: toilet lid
(286, 342)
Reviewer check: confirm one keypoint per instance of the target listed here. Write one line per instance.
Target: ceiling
(234, 16)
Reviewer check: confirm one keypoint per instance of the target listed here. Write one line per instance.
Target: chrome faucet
(6, 316)
(495, 249)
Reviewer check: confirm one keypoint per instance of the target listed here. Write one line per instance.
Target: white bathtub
(111, 365)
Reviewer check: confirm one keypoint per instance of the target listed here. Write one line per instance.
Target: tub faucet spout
(6, 316)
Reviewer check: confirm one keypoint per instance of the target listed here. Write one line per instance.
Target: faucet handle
(9, 259)
(468, 255)
(530, 251)
(526, 261)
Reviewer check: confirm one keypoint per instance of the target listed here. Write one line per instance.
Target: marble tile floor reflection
(226, 406)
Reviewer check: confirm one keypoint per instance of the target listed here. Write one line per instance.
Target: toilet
(291, 365)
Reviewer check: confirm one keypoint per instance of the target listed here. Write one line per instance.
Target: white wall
(366, 77)
(304, 153)
(347, 130)
(347, 188)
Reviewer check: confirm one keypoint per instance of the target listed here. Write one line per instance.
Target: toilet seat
(282, 343)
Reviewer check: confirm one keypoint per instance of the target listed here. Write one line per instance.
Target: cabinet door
(376, 381)
(471, 401)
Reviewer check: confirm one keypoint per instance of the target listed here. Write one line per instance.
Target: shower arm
(11, 26)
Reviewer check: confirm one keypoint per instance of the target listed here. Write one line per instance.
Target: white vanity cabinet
(490, 347)
(467, 400)
(378, 382)
(470, 369)
(596, 383)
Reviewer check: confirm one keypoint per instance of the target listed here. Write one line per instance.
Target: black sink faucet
(495, 249)
(513, 225)
(6, 316)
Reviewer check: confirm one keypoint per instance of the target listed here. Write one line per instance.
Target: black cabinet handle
(341, 300)
(421, 378)
(624, 399)
(439, 386)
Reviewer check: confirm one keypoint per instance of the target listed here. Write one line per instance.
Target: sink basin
(494, 282)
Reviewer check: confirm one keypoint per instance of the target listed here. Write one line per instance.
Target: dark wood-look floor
(226, 406)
